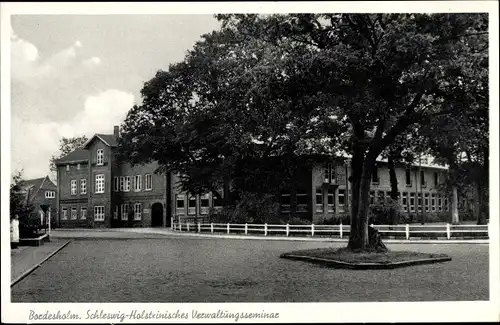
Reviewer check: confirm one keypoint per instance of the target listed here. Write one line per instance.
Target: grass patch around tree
(345, 258)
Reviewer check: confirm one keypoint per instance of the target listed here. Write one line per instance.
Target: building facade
(96, 189)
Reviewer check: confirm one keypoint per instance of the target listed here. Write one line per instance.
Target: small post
(172, 226)
(199, 227)
(212, 227)
(287, 229)
(265, 229)
(228, 228)
(187, 225)
(448, 232)
(341, 230)
(312, 230)
(180, 226)
(407, 230)
(246, 228)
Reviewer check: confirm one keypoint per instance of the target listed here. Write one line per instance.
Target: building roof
(34, 185)
(108, 139)
(77, 155)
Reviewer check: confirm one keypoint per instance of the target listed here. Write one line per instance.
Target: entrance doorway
(157, 215)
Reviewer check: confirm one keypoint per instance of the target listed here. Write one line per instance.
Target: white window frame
(124, 212)
(204, 198)
(319, 203)
(285, 207)
(99, 184)
(412, 197)
(116, 184)
(116, 212)
(421, 202)
(433, 202)
(440, 203)
(330, 176)
(74, 214)
(83, 186)
(446, 206)
(126, 185)
(64, 215)
(83, 215)
(404, 201)
(214, 205)
(330, 207)
(137, 183)
(137, 211)
(148, 182)
(341, 193)
(180, 210)
(50, 194)
(192, 210)
(122, 183)
(73, 187)
(408, 171)
(99, 213)
(427, 201)
(100, 157)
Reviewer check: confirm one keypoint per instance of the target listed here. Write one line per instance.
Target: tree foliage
(281, 86)
(18, 197)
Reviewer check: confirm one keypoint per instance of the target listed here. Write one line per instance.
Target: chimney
(116, 131)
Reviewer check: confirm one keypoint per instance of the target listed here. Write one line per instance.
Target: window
(301, 201)
(78, 167)
(137, 211)
(433, 202)
(73, 214)
(375, 178)
(100, 156)
(422, 178)
(73, 187)
(124, 212)
(330, 201)
(192, 205)
(148, 182)
(179, 202)
(436, 178)
(116, 184)
(122, 183)
(285, 202)
(64, 214)
(329, 173)
(205, 204)
(419, 202)
(216, 202)
(83, 213)
(99, 213)
(372, 197)
(319, 200)
(412, 202)
(50, 194)
(380, 197)
(341, 200)
(83, 186)
(67, 168)
(99, 183)
(126, 187)
(446, 208)
(137, 183)
(426, 202)
(408, 177)
(405, 202)
(115, 214)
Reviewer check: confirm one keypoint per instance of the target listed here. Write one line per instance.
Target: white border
(296, 312)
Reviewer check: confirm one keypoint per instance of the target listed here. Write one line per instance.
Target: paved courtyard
(174, 269)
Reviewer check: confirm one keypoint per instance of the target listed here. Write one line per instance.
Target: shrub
(379, 213)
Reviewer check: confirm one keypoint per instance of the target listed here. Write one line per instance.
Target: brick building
(41, 193)
(98, 190)
(95, 189)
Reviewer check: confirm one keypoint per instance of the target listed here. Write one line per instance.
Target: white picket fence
(340, 231)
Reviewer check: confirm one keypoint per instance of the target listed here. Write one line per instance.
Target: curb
(364, 266)
(26, 273)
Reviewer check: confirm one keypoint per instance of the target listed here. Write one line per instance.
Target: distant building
(41, 193)
(95, 189)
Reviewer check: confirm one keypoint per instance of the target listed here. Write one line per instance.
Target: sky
(74, 75)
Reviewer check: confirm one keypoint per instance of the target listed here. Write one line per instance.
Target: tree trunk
(394, 190)
(226, 189)
(481, 218)
(356, 169)
(454, 205)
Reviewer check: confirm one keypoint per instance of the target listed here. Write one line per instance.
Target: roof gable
(107, 139)
(77, 155)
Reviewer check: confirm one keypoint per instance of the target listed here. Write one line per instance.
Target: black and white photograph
(250, 162)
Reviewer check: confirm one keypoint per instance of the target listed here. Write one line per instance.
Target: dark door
(157, 215)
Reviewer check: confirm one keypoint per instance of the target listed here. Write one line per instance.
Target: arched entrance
(157, 215)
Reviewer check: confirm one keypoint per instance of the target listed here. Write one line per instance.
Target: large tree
(19, 200)
(282, 85)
